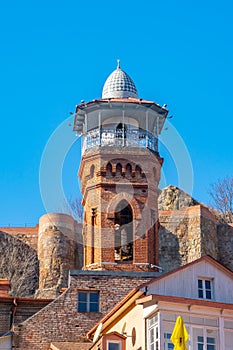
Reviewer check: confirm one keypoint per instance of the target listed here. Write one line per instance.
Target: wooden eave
(181, 300)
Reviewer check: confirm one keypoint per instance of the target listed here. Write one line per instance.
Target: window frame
(88, 301)
(205, 343)
(153, 325)
(204, 290)
(110, 341)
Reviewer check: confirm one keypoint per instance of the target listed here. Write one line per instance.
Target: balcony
(119, 138)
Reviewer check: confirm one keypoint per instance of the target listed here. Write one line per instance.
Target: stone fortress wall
(189, 230)
(56, 243)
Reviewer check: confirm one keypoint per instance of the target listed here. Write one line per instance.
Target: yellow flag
(179, 335)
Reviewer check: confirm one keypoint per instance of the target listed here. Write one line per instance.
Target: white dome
(119, 85)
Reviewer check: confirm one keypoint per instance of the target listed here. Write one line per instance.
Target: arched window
(123, 232)
(118, 169)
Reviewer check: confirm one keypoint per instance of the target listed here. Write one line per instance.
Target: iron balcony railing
(123, 138)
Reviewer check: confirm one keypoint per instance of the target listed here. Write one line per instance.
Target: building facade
(200, 292)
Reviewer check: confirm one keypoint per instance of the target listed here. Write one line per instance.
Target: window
(210, 343)
(205, 289)
(167, 342)
(88, 301)
(205, 339)
(153, 333)
(113, 345)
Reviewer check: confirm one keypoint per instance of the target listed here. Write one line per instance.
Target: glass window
(205, 289)
(153, 333)
(88, 302)
(167, 342)
(206, 339)
(114, 345)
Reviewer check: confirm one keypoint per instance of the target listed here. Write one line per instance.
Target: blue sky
(53, 54)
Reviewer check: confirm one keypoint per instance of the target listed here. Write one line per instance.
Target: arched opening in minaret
(123, 225)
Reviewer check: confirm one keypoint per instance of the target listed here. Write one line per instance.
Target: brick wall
(104, 188)
(14, 311)
(60, 321)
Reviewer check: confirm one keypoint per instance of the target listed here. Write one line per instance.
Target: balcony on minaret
(130, 122)
(119, 118)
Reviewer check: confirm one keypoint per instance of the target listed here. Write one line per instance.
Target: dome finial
(119, 85)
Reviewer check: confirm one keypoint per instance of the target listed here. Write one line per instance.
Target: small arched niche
(128, 169)
(118, 169)
(123, 225)
(138, 171)
(109, 169)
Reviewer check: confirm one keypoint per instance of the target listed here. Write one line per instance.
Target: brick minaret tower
(119, 173)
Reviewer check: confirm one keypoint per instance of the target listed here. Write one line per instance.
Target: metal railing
(119, 137)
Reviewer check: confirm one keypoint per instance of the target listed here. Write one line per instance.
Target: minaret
(119, 173)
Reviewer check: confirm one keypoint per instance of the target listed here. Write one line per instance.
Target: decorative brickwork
(110, 177)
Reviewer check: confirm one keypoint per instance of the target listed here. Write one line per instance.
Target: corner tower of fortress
(119, 173)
